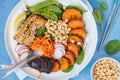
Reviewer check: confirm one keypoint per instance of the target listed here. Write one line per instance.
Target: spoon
(7, 69)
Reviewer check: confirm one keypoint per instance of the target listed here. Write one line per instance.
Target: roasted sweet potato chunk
(71, 14)
(76, 24)
(73, 48)
(73, 55)
(64, 63)
(70, 57)
(76, 39)
(56, 66)
(80, 32)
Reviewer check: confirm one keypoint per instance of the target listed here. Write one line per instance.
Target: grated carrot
(44, 45)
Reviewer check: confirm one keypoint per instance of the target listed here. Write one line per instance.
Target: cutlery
(111, 25)
(4, 66)
(107, 25)
(7, 69)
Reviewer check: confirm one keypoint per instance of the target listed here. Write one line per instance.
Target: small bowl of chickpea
(105, 69)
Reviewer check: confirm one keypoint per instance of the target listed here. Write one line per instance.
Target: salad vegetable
(59, 50)
(99, 16)
(42, 5)
(103, 4)
(51, 8)
(82, 10)
(112, 47)
(80, 58)
(57, 34)
(69, 69)
(44, 45)
(71, 14)
(41, 31)
(49, 15)
(22, 51)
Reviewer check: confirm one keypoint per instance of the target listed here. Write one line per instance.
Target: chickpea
(72, 41)
(69, 29)
(79, 43)
(58, 29)
(106, 70)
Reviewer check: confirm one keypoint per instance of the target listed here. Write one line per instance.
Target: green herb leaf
(52, 37)
(69, 69)
(98, 16)
(41, 32)
(103, 5)
(80, 57)
(82, 10)
(70, 34)
(112, 47)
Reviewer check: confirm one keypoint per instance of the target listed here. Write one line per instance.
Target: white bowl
(91, 73)
(91, 40)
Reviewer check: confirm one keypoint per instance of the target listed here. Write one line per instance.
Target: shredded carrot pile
(44, 45)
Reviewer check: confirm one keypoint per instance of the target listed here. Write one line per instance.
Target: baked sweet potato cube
(73, 48)
(76, 38)
(80, 32)
(70, 57)
(71, 14)
(76, 24)
(64, 63)
(56, 66)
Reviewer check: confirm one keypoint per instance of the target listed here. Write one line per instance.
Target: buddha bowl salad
(54, 30)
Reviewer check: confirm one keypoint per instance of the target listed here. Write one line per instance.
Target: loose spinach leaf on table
(112, 47)
(98, 16)
(103, 4)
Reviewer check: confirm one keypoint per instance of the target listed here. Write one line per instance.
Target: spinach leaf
(51, 8)
(69, 69)
(99, 16)
(103, 5)
(80, 57)
(41, 32)
(82, 10)
(112, 47)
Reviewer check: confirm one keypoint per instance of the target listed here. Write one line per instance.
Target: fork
(7, 69)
